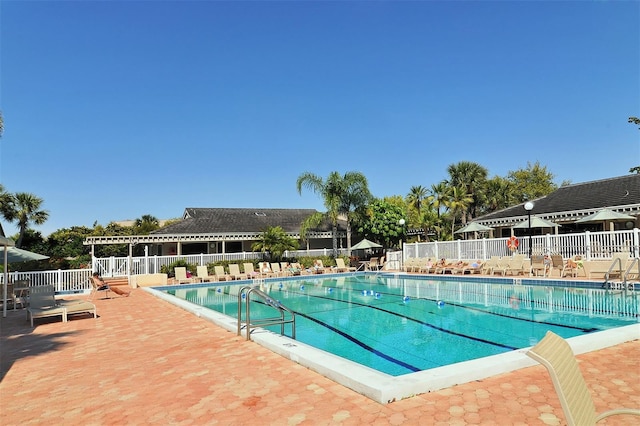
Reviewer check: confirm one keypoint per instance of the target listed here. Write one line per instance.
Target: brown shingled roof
(581, 197)
(238, 220)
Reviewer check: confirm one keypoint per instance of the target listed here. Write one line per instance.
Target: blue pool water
(400, 325)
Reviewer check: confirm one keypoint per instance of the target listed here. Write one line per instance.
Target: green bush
(170, 268)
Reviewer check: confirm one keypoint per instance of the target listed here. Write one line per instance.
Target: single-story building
(568, 204)
(227, 230)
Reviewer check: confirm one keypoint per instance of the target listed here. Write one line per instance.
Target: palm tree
(6, 205)
(437, 198)
(145, 224)
(457, 203)
(415, 199)
(341, 195)
(275, 241)
(472, 177)
(24, 208)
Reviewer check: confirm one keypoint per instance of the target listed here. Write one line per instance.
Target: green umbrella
(536, 222)
(473, 227)
(365, 244)
(603, 216)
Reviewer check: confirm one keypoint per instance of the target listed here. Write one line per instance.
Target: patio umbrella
(536, 222)
(473, 227)
(365, 244)
(603, 216)
(13, 255)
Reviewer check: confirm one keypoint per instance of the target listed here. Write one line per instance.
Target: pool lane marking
(361, 343)
(444, 330)
(570, 327)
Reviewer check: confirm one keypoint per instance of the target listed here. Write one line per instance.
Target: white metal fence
(591, 245)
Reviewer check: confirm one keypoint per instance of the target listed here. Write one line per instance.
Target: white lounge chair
(555, 354)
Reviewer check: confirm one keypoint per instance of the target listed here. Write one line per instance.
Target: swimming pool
(399, 325)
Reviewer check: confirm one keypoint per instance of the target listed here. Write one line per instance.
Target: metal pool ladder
(244, 295)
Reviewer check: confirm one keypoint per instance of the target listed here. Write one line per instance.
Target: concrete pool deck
(144, 361)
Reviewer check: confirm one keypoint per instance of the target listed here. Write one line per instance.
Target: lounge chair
(234, 272)
(181, 275)
(96, 287)
(538, 265)
(557, 262)
(473, 268)
(373, 264)
(410, 263)
(342, 267)
(249, 271)
(318, 267)
(514, 265)
(220, 274)
(555, 354)
(489, 265)
(265, 270)
(202, 273)
(425, 266)
(290, 269)
(42, 304)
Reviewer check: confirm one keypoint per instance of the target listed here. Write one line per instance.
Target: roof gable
(581, 199)
(237, 220)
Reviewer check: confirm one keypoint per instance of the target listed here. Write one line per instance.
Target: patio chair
(220, 274)
(234, 272)
(96, 287)
(202, 272)
(373, 264)
(248, 270)
(489, 265)
(557, 262)
(42, 304)
(342, 267)
(555, 354)
(473, 268)
(265, 270)
(277, 272)
(181, 275)
(538, 265)
(318, 267)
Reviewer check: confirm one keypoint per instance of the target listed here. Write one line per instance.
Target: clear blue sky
(115, 109)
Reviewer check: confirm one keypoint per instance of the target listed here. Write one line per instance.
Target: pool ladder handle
(624, 283)
(268, 300)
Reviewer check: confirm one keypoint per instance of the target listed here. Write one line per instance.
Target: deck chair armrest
(618, 411)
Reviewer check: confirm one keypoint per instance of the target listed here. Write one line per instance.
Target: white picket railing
(591, 245)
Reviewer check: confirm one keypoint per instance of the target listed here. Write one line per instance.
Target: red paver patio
(144, 361)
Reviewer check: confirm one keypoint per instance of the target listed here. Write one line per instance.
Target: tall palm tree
(6, 205)
(147, 223)
(341, 195)
(438, 195)
(25, 209)
(457, 203)
(415, 199)
(472, 177)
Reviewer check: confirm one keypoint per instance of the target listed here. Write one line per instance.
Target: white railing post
(587, 244)
(59, 280)
(435, 250)
(547, 243)
(636, 242)
(484, 249)
(459, 249)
